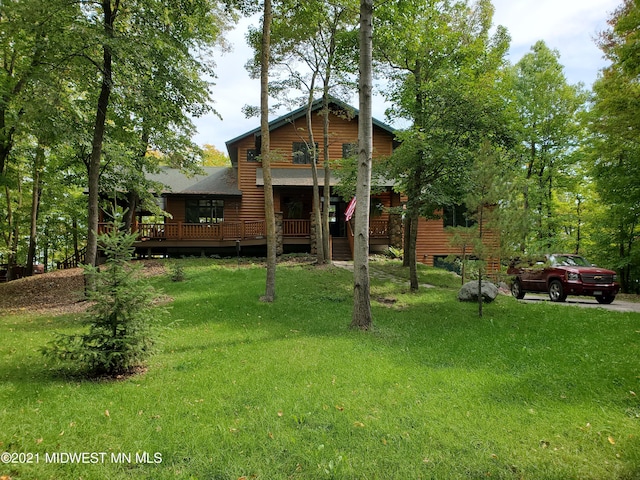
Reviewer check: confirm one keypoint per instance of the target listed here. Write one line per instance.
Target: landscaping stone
(469, 292)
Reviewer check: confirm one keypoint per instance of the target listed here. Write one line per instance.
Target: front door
(337, 227)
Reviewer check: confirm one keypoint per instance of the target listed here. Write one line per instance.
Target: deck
(231, 234)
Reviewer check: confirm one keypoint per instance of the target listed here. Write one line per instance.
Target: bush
(122, 321)
(394, 252)
(177, 273)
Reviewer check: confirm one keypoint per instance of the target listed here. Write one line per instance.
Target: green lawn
(243, 389)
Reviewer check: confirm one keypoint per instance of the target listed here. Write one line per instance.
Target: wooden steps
(340, 249)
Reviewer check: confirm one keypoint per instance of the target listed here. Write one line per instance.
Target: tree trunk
(35, 204)
(130, 214)
(326, 236)
(76, 248)
(269, 210)
(361, 289)
(413, 242)
(406, 240)
(413, 190)
(413, 216)
(109, 15)
(13, 227)
(317, 218)
(480, 233)
(45, 248)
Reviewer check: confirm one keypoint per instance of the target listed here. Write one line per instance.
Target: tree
(547, 108)
(212, 157)
(140, 35)
(269, 210)
(361, 289)
(122, 321)
(35, 45)
(614, 147)
(486, 191)
(445, 71)
(312, 53)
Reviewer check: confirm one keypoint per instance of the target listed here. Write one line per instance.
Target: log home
(222, 210)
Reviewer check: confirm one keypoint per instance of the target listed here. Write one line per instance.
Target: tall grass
(286, 390)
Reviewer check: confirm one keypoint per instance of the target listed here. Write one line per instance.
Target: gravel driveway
(585, 302)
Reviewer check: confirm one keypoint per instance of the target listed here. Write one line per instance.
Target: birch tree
(312, 55)
(361, 289)
(270, 217)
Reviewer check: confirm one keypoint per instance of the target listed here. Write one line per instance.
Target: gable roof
(301, 112)
(215, 181)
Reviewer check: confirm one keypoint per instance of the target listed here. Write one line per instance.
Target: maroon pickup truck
(562, 275)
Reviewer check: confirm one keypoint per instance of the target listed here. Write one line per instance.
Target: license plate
(596, 293)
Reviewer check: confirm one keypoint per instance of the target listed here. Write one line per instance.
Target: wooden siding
(342, 131)
(434, 241)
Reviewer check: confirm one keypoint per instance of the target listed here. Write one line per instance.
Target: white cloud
(569, 26)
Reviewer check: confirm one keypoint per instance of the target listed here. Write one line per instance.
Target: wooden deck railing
(296, 228)
(198, 231)
(244, 230)
(378, 228)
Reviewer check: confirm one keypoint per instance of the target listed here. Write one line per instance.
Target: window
(349, 150)
(204, 211)
(252, 155)
(301, 153)
(456, 216)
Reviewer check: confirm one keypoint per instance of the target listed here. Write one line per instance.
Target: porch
(158, 238)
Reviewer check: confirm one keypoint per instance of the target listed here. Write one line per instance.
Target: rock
(504, 289)
(469, 292)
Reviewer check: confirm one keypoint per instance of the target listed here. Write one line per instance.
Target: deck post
(279, 233)
(312, 236)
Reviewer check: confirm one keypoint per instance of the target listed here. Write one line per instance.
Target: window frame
(301, 150)
(456, 216)
(211, 210)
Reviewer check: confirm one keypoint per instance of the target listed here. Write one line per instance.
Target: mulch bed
(55, 293)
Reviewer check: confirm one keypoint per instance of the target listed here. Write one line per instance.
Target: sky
(569, 26)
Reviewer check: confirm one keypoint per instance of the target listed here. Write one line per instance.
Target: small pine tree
(122, 320)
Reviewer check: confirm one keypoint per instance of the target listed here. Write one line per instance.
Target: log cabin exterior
(222, 210)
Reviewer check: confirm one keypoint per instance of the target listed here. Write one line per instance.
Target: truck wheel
(605, 299)
(516, 289)
(556, 291)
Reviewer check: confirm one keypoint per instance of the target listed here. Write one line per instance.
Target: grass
(243, 389)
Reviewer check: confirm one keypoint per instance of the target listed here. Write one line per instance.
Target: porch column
(395, 230)
(279, 233)
(312, 235)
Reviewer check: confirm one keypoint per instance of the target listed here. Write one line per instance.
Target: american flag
(351, 208)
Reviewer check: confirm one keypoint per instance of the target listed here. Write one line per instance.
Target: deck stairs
(341, 250)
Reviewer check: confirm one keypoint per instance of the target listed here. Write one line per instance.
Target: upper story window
(204, 210)
(252, 155)
(302, 153)
(456, 216)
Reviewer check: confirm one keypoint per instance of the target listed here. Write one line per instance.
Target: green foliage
(614, 149)
(212, 157)
(547, 126)
(122, 320)
(394, 252)
(177, 272)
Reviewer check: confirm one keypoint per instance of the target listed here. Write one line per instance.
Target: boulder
(469, 292)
